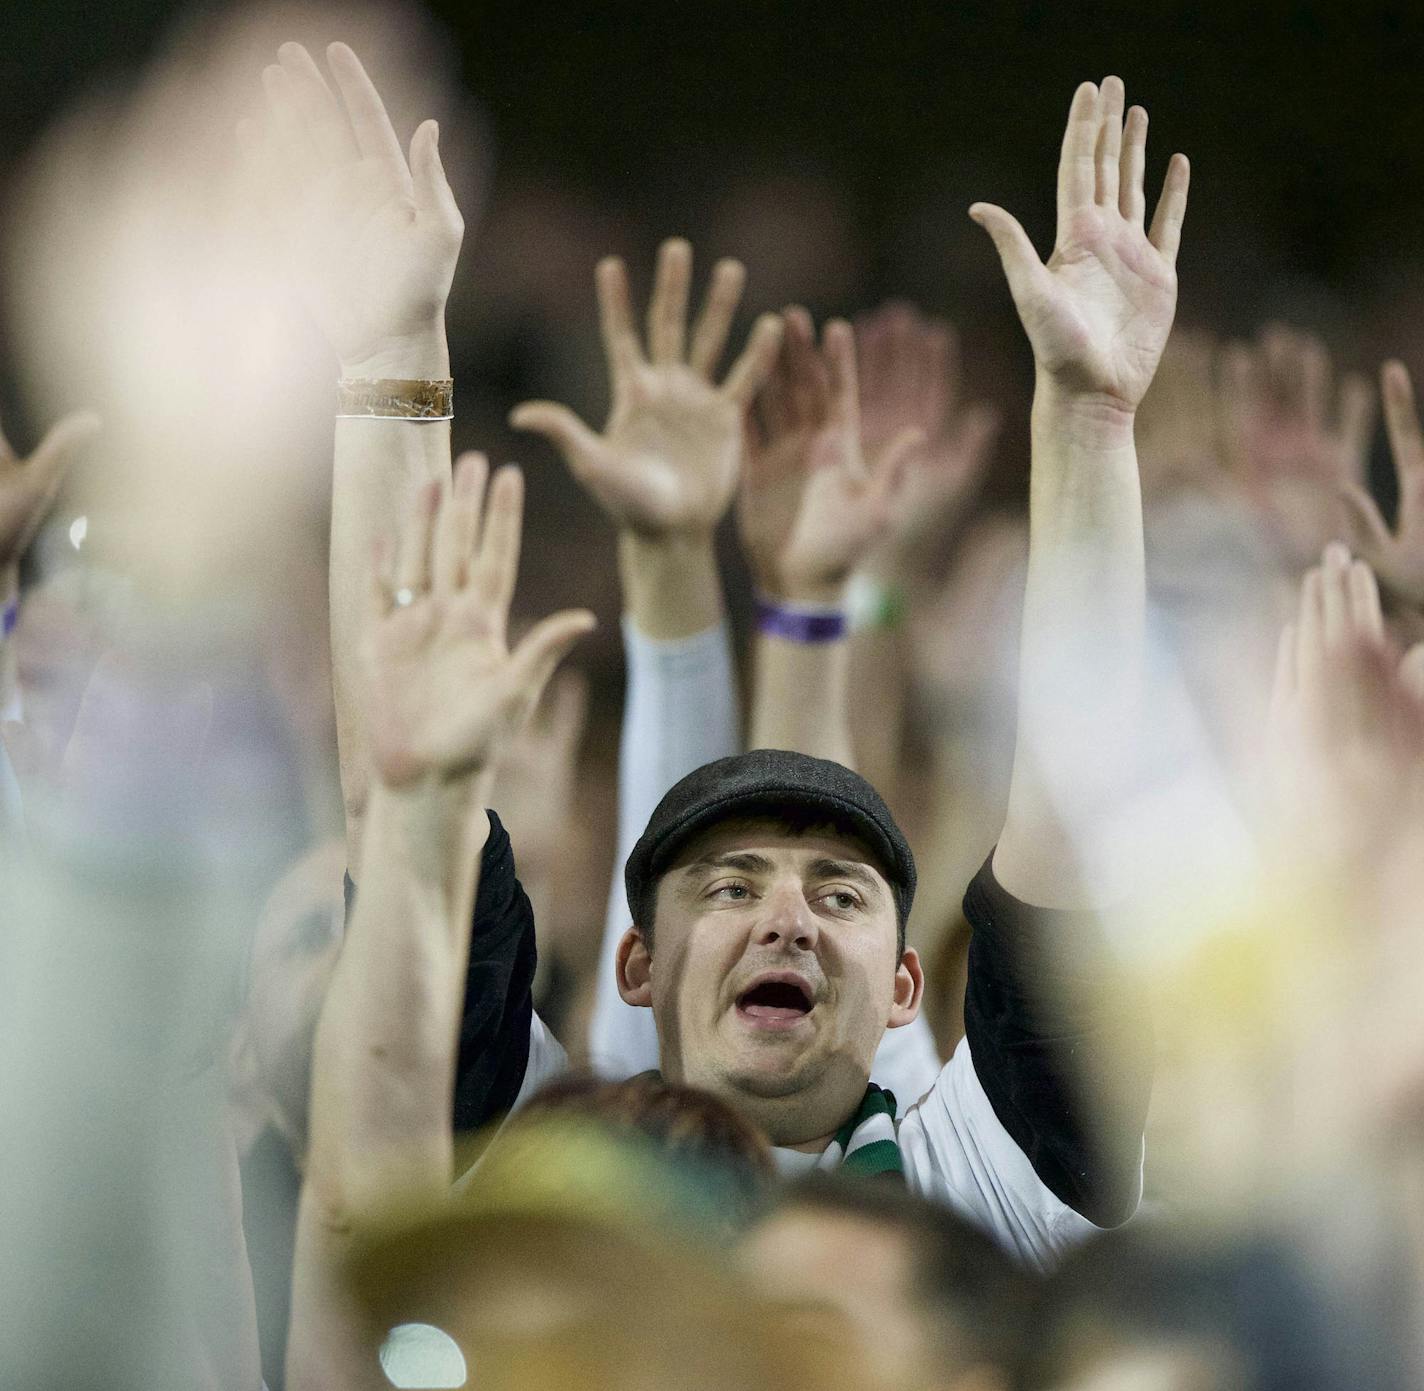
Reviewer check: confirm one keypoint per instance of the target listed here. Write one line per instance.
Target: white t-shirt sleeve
(907, 1063)
(680, 712)
(956, 1151)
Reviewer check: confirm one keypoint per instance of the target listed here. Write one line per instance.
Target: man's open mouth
(776, 1001)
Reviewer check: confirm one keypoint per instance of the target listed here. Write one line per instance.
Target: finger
(975, 436)
(1365, 518)
(1401, 418)
(667, 309)
(543, 647)
(1411, 671)
(294, 146)
(1283, 685)
(581, 447)
(800, 366)
(891, 466)
(714, 323)
(413, 550)
(615, 319)
(1366, 617)
(496, 564)
(1166, 233)
(458, 524)
(941, 389)
(1357, 425)
(1022, 268)
(432, 190)
(1310, 622)
(871, 335)
(1132, 197)
(1077, 172)
(843, 388)
(749, 371)
(1335, 594)
(371, 126)
(326, 122)
(1108, 151)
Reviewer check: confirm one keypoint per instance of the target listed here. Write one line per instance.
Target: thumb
(579, 445)
(1016, 253)
(431, 187)
(1364, 516)
(544, 646)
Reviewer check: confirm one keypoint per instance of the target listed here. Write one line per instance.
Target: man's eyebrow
(745, 860)
(853, 870)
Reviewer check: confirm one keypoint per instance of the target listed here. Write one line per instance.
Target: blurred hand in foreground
(447, 695)
(372, 237)
(813, 504)
(670, 454)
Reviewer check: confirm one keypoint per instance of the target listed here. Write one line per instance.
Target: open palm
(372, 239)
(670, 455)
(1099, 312)
(447, 694)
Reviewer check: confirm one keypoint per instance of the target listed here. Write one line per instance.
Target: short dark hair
(977, 1300)
(796, 821)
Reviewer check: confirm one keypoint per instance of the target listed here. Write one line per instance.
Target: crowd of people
(976, 950)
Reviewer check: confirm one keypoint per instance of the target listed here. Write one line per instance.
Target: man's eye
(842, 900)
(735, 892)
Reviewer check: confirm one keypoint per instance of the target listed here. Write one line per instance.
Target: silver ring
(404, 598)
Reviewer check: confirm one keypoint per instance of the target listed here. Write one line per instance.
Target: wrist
(1093, 420)
(671, 585)
(422, 355)
(799, 592)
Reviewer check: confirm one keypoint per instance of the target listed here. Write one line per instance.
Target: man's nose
(788, 919)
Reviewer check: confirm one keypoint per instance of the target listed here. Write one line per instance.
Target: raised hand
(28, 487)
(1099, 312)
(372, 238)
(669, 457)
(812, 504)
(446, 693)
(910, 380)
(1398, 555)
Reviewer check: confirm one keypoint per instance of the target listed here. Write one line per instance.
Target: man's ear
(909, 988)
(635, 969)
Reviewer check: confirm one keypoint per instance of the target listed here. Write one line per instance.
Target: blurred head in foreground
(932, 1299)
(588, 1255)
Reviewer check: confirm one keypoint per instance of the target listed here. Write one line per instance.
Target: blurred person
(932, 1297)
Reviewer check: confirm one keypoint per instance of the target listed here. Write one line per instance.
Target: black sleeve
(499, 1002)
(1033, 1049)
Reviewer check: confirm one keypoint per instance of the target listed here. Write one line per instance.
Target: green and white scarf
(866, 1145)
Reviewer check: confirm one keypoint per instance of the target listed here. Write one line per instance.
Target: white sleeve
(547, 1060)
(955, 1151)
(680, 712)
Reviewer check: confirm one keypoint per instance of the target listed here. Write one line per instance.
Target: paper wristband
(390, 398)
(9, 617)
(800, 625)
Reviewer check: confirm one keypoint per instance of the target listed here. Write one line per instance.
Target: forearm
(802, 698)
(671, 585)
(383, 1068)
(378, 466)
(1081, 655)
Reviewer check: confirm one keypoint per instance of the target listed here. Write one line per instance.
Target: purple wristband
(800, 625)
(9, 617)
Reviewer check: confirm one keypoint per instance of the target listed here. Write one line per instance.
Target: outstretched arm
(1097, 315)
(373, 237)
(664, 469)
(445, 696)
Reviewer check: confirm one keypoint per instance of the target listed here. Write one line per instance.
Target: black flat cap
(769, 782)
